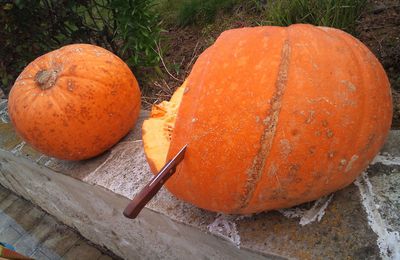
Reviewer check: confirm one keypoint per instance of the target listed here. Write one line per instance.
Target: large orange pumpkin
(273, 117)
(75, 102)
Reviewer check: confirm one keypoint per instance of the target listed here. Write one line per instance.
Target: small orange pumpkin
(75, 102)
(273, 117)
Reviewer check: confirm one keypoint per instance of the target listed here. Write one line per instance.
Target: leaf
(7, 7)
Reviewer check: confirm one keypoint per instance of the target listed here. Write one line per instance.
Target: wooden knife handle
(150, 190)
(147, 193)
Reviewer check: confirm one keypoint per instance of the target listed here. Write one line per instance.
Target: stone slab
(40, 236)
(91, 195)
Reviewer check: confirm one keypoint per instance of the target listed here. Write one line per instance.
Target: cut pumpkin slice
(157, 131)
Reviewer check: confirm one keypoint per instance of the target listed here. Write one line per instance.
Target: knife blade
(150, 190)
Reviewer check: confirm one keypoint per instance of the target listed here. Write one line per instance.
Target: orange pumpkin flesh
(75, 102)
(273, 117)
(157, 131)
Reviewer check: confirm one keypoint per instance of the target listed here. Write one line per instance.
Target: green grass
(341, 14)
(188, 12)
(203, 10)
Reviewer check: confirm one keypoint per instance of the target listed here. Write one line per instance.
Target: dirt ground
(378, 28)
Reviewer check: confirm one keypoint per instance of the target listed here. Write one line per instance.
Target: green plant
(340, 14)
(29, 28)
(138, 27)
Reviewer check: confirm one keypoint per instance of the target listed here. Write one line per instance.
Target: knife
(150, 190)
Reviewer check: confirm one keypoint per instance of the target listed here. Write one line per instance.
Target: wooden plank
(7, 201)
(60, 240)
(18, 208)
(31, 219)
(104, 257)
(4, 219)
(39, 255)
(26, 245)
(9, 235)
(29, 243)
(50, 254)
(82, 250)
(3, 193)
(14, 212)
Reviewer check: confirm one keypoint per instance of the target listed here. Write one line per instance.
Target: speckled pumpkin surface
(75, 102)
(273, 117)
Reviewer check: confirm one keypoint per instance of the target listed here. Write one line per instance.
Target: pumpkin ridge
(187, 87)
(271, 121)
(363, 68)
(195, 111)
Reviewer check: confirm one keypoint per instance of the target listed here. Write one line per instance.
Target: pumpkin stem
(46, 78)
